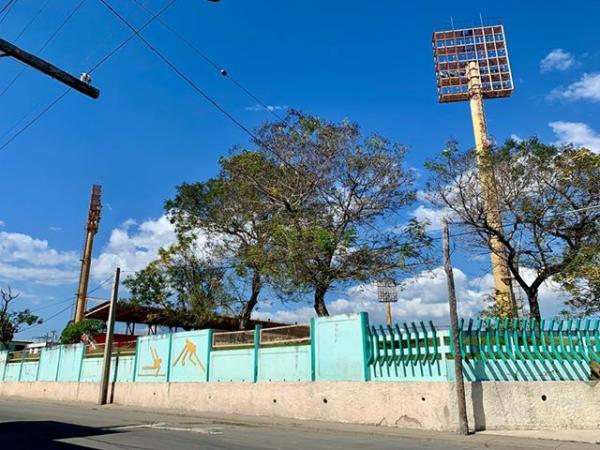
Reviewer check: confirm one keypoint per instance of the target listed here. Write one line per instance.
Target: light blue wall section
(190, 356)
(232, 365)
(124, 367)
(285, 363)
(29, 371)
(92, 369)
(153, 358)
(12, 371)
(49, 359)
(341, 351)
(70, 362)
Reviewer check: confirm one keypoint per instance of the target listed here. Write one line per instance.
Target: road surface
(27, 424)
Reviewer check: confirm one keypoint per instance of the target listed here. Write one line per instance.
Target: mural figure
(156, 364)
(189, 352)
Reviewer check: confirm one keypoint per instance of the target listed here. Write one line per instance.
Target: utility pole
(86, 260)
(463, 425)
(110, 329)
(82, 85)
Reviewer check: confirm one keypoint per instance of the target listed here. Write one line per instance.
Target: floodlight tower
(387, 292)
(471, 64)
(86, 260)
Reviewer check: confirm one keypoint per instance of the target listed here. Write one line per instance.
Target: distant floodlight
(387, 290)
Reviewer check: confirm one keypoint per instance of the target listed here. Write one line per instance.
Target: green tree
(233, 218)
(548, 196)
(11, 322)
(181, 285)
(333, 190)
(73, 331)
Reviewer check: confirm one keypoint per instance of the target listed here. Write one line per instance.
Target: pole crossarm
(8, 49)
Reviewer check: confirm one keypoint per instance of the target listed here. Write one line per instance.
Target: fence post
(312, 349)
(364, 325)
(21, 365)
(135, 359)
(5, 365)
(37, 370)
(168, 374)
(208, 351)
(81, 363)
(58, 363)
(256, 350)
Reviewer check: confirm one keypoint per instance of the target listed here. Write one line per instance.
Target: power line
(33, 19)
(50, 39)
(179, 72)
(62, 95)
(220, 69)
(6, 9)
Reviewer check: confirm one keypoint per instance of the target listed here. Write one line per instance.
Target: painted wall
(153, 355)
(285, 363)
(341, 348)
(548, 405)
(190, 356)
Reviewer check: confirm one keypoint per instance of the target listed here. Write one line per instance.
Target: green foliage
(11, 322)
(73, 331)
(548, 197)
(182, 287)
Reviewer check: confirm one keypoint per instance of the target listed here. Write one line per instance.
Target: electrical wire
(96, 66)
(220, 69)
(41, 49)
(6, 9)
(33, 19)
(175, 69)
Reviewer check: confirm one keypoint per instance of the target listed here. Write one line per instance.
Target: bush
(73, 331)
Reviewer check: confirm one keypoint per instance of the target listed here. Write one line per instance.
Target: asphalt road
(26, 424)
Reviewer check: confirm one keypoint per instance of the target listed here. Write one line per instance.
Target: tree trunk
(534, 305)
(320, 307)
(246, 312)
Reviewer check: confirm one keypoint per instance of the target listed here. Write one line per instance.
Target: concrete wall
(424, 405)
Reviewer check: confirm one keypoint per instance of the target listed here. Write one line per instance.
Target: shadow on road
(44, 434)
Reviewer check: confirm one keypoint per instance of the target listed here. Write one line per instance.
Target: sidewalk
(587, 436)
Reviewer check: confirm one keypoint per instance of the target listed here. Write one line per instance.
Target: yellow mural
(189, 352)
(156, 365)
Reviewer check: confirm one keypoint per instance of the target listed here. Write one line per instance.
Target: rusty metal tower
(90, 231)
(472, 64)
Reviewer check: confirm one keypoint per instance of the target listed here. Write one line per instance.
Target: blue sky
(370, 62)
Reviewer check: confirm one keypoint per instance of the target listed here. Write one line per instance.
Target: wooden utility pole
(86, 260)
(82, 85)
(463, 425)
(108, 343)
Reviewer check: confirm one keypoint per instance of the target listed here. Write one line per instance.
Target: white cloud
(2, 223)
(23, 258)
(423, 297)
(55, 228)
(558, 60)
(587, 88)
(132, 246)
(269, 108)
(433, 216)
(576, 133)
(516, 138)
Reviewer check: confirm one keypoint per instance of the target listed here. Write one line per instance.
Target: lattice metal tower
(86, 260)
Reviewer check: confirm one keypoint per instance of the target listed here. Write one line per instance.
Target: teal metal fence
(491, 350)
(338, 348)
